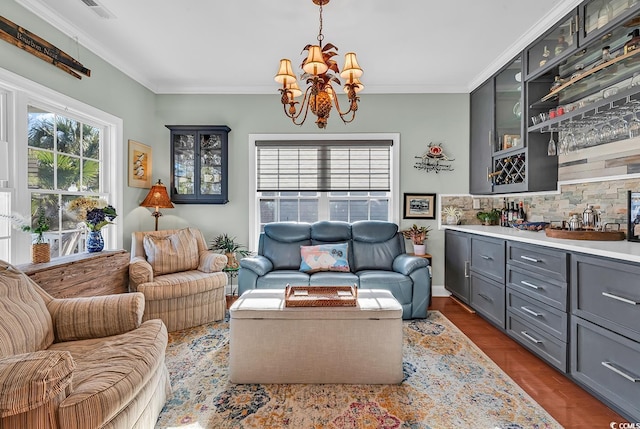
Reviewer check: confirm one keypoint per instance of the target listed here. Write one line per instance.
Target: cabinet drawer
(487, 297)
(553, 293)
(607, 293)
(549, 348)
(549, 319)
(487, 257)
(542, 260)
(607, 363)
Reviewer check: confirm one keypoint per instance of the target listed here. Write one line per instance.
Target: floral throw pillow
(324, 257)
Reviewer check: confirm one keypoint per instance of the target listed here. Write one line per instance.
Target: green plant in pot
(417, 235)
(490, 217)
(223, 243)
(40, 248)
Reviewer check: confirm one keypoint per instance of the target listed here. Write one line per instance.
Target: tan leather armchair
(181, 279)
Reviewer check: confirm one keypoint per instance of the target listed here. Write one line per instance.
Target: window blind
(324, 166)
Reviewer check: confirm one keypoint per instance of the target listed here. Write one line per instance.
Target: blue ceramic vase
(95, 242)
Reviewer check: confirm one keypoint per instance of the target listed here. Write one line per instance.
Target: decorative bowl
(530, 226)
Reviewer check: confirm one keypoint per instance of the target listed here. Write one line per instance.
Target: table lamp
(158, 198)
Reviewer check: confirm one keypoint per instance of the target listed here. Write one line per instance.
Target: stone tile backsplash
(607, 197)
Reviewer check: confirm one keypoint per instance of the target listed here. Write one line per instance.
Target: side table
(232, 293)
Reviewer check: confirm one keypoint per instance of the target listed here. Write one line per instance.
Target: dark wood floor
(568, 403)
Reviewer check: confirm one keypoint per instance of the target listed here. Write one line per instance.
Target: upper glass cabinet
(555, 45)
(199, 160)
(509, 107)
(601, 15)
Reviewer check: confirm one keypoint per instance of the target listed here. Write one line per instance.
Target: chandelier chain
(320, 35)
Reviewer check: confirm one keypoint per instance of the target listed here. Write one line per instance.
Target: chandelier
(320, 72)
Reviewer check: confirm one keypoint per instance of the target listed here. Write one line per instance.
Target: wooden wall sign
(24, 39)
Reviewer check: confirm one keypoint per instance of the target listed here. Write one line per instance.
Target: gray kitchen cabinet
(605, 331)
(537, 301)
(457, 259)
(487, 278)
(482, 137)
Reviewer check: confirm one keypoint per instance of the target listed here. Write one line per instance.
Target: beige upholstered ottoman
(271, 343)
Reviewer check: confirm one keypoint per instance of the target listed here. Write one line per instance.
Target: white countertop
(624, 250)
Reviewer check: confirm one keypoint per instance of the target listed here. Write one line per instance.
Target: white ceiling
(224, 47)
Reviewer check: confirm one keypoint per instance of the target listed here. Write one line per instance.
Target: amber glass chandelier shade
(158, 197)
(285, 74)
(351, 67)
(314, 63)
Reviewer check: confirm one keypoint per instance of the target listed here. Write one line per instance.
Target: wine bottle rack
(509, 169)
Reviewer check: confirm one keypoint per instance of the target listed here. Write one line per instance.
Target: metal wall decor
(434, 159)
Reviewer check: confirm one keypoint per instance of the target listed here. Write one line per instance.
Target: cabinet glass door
(184, 155)
(600, 15)
(210, 164)
(553, 46)
(509, 107)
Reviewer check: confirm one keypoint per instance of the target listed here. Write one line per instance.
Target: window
(308, 179)
(64, 163)
(56, 150)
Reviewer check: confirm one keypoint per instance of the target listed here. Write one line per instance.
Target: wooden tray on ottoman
(320, 296)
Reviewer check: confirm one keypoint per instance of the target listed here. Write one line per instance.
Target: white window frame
(22, 93)
(394, 194)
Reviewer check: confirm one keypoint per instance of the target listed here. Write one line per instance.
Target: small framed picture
(419, 206)
(139, 165)
(633, 229)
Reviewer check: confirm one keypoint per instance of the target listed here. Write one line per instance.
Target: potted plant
(40, 248)
(490, 217)
(451, 215)
(95, 213)
(417, 235)
(223, 243)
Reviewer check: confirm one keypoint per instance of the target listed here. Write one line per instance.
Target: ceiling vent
(98, 9)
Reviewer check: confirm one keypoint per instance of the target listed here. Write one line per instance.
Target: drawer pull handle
(619, 298)
(531, 285)
(485, 297)
(530, 259)
(530, 311)
(488, 258)
(625, 374)
(530, 338)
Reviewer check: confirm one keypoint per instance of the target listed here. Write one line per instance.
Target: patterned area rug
(448, 383)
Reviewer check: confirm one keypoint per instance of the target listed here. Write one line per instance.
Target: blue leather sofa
(376, 256)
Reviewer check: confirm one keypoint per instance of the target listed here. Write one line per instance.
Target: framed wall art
(419, 206)
(139, 165)
(633, 228)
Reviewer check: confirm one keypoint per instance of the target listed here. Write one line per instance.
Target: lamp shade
(357, 85)
(294, 89)
(314, 64)
(351, 67)
(158, 197)
(285, 74)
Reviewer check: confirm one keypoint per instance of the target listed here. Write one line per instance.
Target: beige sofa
(77, 363)
(181, 279)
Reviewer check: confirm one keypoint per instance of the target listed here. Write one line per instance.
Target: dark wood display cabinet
(199, 160)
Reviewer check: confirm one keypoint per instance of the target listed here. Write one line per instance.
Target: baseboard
(439, 290)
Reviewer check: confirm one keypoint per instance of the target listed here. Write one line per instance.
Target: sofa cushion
(281, 278)
(400, 285)
(334, 279)
(172, 253)
(25, 322)
(375, 245)
(110, 372)
(324, 257)
(185, 283)
(30, 380)
(281, 244)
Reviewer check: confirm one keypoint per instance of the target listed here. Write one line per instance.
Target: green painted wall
(419, 118)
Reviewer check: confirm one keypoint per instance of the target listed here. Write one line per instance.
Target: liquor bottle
(503, 213)
(512, 211)
(521, 215)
